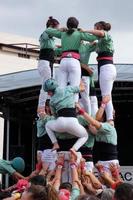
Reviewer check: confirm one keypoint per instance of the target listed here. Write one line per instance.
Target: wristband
(81, 111)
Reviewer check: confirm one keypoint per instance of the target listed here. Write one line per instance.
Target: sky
(28, 18)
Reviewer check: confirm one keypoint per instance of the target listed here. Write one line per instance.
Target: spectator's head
(87, 197)
(107, 194)
(35, 192)
(18, 164)
(53, 23)
(38, 180)
(124, 192)
(66, 185)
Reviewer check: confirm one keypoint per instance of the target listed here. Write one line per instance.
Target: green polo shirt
(105, 44)
(63, 98)
(107, 133)
(46, 42)
(71, 41)
(6, 167)
(41, 125)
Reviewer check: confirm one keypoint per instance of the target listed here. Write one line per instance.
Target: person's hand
(63, 29)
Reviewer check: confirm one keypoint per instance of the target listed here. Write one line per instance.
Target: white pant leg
(74, 74)
(107, 77)
(94, 105)
(62, 76)
(85, 95)
(69, 125)
(69, 71)
(45, 73)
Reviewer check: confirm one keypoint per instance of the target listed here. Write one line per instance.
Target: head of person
(38, 180)
(101, 25)
(107, 194)
(72, 23)
(53, 23)
(18, 164)
(87, 197)
(50, 86)
(124, 192)
(36, 192)
(66, 185)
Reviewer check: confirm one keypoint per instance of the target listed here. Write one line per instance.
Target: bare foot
(74, 154)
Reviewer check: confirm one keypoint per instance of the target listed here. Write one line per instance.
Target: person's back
(124, 192)
(63, 98)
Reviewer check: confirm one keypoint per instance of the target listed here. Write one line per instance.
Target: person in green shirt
(105, 147)
(69, 69)
(63, 106)
(46, 60)
(13, 167)
(106, 68)
(86, 74)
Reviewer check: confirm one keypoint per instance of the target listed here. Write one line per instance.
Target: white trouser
(106, 79)
(45, 73)
(94, 105)
(85, 95)
(69, 71)
(67, 125)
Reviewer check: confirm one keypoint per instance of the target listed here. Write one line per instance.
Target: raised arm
(98, 33)
(88, 118)
(100, 112)
(88, 69)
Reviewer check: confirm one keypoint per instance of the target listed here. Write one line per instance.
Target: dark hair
(38, 180)
(37, 192)
(87, 197)
(103, 25)
(66, 185)
(52, 22)
(72, 23)
(124, 192)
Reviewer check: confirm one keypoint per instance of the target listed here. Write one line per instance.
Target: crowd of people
(76, 137)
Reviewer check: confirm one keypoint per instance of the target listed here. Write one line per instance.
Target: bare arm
(88, 69)
(99, 114)
(90, 119)
(99, 33)
(18, 176)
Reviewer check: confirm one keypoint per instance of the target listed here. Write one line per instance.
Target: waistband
(67, 112)
(105, 58)
(46, 54)
(70, 54)
(104, 151)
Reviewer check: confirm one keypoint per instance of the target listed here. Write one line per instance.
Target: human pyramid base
(68, 172)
